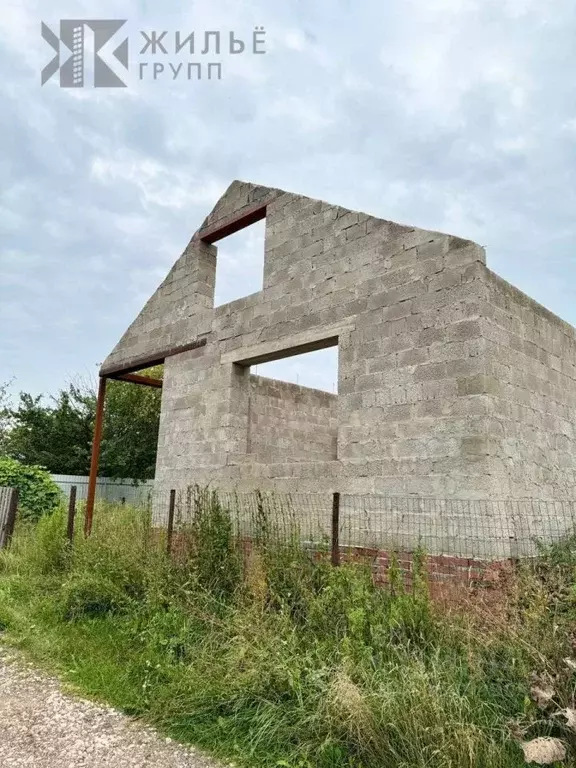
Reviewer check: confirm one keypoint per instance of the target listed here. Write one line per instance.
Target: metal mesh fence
(107, 489)
(278, 517)
(474, 542)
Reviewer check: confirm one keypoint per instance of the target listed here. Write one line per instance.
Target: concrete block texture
(451, 383)
(287, 422)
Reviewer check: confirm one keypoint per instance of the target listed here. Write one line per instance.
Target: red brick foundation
(444, 574)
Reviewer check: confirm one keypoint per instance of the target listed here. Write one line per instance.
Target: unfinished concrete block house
(451, 382)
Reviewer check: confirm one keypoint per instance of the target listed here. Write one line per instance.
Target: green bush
(38, 493)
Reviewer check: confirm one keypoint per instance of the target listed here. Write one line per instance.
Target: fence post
(336, 529)
(170, 521)
(11, 517)
(71, 514)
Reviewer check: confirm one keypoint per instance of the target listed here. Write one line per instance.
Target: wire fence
(468, 528)
(470, 542)
(475, 542)
(108, 489)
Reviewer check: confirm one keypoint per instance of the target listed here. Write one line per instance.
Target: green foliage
(4, 415)
(117, 556)
(131, 423)
(270, 657)
(38, 549)
(211, 547)
(57, 434)
(48, 553)
(38, 493)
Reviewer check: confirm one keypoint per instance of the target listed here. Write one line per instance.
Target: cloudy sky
(453, 115)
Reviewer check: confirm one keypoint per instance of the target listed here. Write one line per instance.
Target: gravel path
(42, 727)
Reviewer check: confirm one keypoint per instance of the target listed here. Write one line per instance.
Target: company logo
(95, 53)
(72, 59)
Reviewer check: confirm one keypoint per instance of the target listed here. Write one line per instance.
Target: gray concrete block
(452, 383)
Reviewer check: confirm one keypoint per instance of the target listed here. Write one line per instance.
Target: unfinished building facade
(451, 382)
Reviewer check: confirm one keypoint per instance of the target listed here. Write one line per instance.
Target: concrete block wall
(531, 386)
(404, 307)
(239, 198)
(476, 528)
(177, 313)
(288, 422)
(196, 425)
(450, 382)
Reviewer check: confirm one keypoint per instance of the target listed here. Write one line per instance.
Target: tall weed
(259, 650)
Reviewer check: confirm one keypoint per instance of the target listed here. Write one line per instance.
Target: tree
(58, 434)
(4, 415)
(130, 435)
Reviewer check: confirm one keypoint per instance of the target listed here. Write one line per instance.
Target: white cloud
(295, 39)
(303, 115)
(455, 115)
(159, 185)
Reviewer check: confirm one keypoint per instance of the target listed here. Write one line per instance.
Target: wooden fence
(8, 506)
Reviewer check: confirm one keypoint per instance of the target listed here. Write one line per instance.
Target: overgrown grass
(270, 658)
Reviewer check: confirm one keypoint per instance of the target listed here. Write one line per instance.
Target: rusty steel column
(95, 456)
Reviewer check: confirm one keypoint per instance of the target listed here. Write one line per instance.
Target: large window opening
(318, 369)
(240, 264)
(293, 408)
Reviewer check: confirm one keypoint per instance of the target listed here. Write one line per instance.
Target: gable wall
(452, 384)
(404, 304)
(177, 313)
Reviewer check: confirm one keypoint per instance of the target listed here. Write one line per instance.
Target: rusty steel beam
(95, 457)
(147, 361)
(133, 378)
(233, 224)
